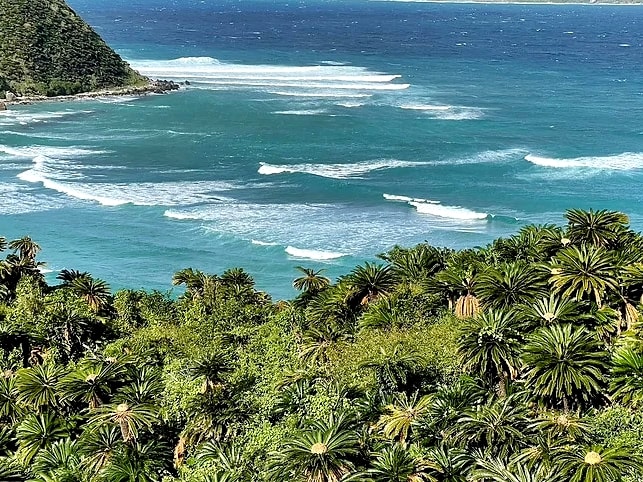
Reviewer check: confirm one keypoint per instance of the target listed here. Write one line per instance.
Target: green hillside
(46, 48)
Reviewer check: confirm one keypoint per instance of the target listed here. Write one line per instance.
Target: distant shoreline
(516, 2)
(153, 87)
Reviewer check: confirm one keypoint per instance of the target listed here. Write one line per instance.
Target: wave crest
(626, 161)
(336, 171)
(313, 254)
(435, 208)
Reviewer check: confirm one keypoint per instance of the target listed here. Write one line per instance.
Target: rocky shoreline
(153, 87)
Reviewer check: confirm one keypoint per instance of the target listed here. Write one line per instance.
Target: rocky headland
(48, 52)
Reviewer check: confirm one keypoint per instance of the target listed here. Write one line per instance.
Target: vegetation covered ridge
(47, 49)
(521, 361)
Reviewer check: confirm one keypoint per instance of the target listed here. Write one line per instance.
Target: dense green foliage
(45, 48)
(520, 361)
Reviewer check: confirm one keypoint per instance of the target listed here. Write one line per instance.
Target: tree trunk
(26, 351)
(502, 385)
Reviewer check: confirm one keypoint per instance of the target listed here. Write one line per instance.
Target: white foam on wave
(60, 176)
(336, 171)
(406, 199)
(425, 107)
(626, 161)
(311, 80)
(345, 171)
(451, 212)
(435, 208)
(15, 199)
(21, 117)
(312, 254)
(263, 243)
(447, 112)
(301, 112)
(349, 105)
(322, 94)
(49, 151)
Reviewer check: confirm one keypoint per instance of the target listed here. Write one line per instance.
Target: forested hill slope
(46, 48)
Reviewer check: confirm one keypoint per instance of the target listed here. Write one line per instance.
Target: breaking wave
(336, 171)
(435, 208)
(312, 254)
(310, 80)
(626, 161)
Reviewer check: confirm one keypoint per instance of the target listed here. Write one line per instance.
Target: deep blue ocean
(321, 133)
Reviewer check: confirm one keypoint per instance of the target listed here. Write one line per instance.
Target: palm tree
(394, 464)
(447, 464)
(129, 418)
(382, 314)
(490, 345)
(546, 311)
(67, 276)
(94, 291)
(144, 389)
(317, 343)
(25, 247)
(584, 271)
(370, 281)
(562, 427)
(500, 427)
(227, 458)
(90, 383)
(324, 453)
(447, 405)
(311, 281)
(125, 468)
(214, 367)
(58, 461)
(510, 284)
(401, 416)
(413, 266)
(99, 446)
(238, 277)
(36, 432)
(9, 407)
(597, 464)
(38, 386)
(458, 285)
(599, 228)
(393, 368)
(10, 471)
(626, 382)
(496, 470)
(564, 364)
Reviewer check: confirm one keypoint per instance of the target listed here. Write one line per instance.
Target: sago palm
(324, 453)
(311, 280)
(90, 383)
(370, 281)
(547, 311)
(510, 284)
(129, 418)
(564, 365)
(400, 416)
(626, 382)
(584, 272)
(597, 464)
(490, 346)
(38, 386)
(500, 427)
(36, 432)
(395, 464)
(58, 461)
(599, 228)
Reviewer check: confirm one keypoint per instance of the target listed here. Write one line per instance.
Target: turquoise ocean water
(322, 133)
